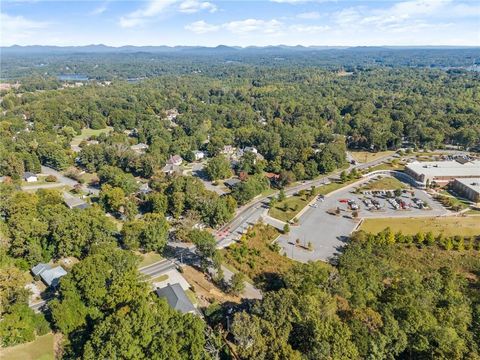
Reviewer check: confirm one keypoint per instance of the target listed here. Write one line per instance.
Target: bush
(51, 178)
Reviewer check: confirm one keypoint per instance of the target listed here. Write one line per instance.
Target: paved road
(158, 268)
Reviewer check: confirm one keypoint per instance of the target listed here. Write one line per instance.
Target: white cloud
(15, 29)
(253, 25)
(309, 15)
(157, 7)
(257, 26)
(405, 13)
(201, 27)
(311, 29)
(99, 10)
(140, 16)
(193, 6)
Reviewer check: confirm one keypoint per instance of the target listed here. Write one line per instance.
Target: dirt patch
(204, 289)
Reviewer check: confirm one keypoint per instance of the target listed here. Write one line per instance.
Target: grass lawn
(191, 295)
(327, 189)
(40, 349)
(86, 133)
(367, 156)
(149, 258)
(160, 278)
(255, 257)
(385, 183)
(388, 166)
(293, 205)
(449, 226)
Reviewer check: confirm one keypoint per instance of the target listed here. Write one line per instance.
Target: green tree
(218, 168)
(237, 283)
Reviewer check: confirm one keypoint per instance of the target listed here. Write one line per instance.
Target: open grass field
(255, 257)
(385, 183)
(287, 209)
(86, 133)
(449, 226)
(40, 349)
(367, 156)
(149, 258)
(395, 165)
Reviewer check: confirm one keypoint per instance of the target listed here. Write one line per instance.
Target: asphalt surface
(157, 268)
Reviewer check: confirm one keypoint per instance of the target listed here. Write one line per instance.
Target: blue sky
(243, 23)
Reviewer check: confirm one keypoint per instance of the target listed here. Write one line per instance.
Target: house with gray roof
(30, 177)
(50, 276)
(176, 298)
(74, 202)
(231, 183)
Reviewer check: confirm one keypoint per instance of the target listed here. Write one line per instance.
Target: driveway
(62, 179)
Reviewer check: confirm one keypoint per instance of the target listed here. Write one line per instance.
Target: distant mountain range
(36, 49)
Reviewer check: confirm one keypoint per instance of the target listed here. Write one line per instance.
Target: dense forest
(134, 62)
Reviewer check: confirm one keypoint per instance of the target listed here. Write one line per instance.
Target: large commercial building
(469, 188)
(443, 172)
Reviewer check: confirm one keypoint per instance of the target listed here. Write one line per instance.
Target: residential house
(171, 169)
(175, 160)
(50, 276)
(231, 183)
(176, 298)
(30, 177)
(74, 202)
(139, 148)
(272, 177)
(144, 188)
(199, 155)
(228, 150)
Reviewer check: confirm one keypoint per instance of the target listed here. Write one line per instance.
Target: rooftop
(446, 168)
(472, 183)
(176, 298)
(51, 276)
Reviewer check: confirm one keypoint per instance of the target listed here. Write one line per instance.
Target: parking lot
(328, 222)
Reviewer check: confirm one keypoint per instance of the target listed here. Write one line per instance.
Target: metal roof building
(176, 298)
(50, 276)
(442, 172)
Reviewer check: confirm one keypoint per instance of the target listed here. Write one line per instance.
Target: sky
(240, 23)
